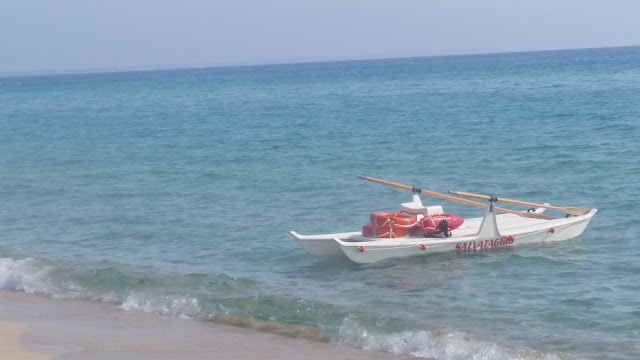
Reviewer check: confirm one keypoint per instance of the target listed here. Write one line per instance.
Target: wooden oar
(568, 210)
(453, 198)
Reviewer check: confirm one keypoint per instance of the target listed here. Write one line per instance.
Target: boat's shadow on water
(411, 274)
(426, 262)
(406, 274)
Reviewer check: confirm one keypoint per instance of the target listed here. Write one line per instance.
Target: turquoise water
(173, 191)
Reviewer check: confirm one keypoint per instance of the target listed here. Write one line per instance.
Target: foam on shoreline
(80, 329)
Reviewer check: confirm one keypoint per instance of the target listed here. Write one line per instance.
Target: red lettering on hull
(486, 244)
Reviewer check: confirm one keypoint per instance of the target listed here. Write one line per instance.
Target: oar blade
(577, 211)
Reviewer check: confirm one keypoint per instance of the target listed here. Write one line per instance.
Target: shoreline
(191, 67)
(35, 327)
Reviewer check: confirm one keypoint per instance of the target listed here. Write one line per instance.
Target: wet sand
(34, 327)
(10, 345)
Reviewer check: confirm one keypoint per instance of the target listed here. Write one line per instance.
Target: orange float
(389, 225)
(379, 218)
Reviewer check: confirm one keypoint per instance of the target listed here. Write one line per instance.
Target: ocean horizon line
(178, 67)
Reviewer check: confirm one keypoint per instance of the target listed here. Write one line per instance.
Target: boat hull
(478, 234)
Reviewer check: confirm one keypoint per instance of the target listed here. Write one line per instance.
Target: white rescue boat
(418, 230)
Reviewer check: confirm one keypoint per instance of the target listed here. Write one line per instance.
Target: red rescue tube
(432, 224)
(379, 218)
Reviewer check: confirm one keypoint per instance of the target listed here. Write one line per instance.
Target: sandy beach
(11, 346)
(34, 327)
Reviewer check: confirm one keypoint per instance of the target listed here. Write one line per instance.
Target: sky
(62, 36)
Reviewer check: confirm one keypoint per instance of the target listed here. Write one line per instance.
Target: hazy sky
(54, 36)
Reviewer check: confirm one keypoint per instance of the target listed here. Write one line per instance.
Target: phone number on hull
(486, 244)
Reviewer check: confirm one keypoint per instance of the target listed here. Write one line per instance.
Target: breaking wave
(26, 275)
(438, 345)
(176, 306)
(30, 276)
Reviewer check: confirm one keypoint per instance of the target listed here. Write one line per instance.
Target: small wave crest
(437, 344)
(272, 327)
(33, 277)
(171, 305)
(25, 275)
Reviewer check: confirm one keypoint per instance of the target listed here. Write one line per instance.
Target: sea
(173, 192)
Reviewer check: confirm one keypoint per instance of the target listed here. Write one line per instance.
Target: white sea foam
(172, 305)
(32, 277)
(25, 275)
(437, 344)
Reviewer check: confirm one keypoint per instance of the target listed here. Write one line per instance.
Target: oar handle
(453, 198)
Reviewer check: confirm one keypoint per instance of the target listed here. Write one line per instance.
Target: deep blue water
(173, 191)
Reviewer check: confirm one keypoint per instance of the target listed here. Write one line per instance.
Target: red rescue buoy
(389, 225)
(379, 218)
(433, 224)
